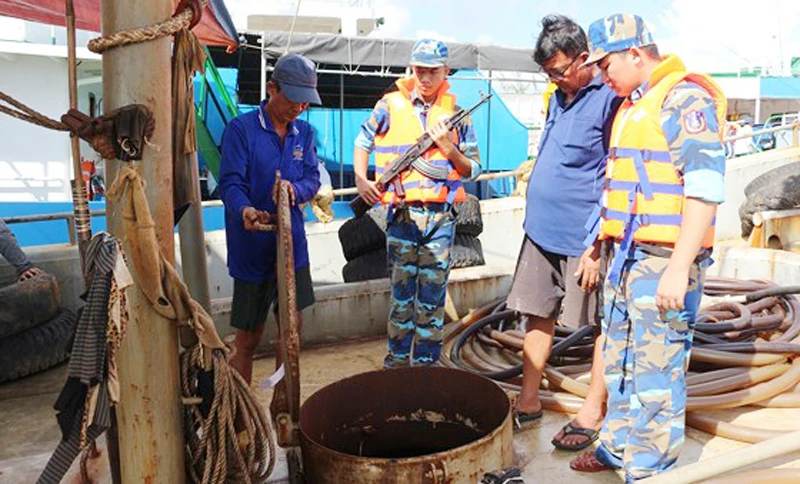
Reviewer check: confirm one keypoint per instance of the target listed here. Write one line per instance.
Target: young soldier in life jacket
(421, 224)
(664, 180)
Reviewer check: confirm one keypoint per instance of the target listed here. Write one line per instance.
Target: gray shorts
(251, 300)
(545, 286)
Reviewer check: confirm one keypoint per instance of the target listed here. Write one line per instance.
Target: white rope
(291, 30)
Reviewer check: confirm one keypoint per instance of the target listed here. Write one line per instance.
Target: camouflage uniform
(646, 351)
(419, 237)
(420, 266)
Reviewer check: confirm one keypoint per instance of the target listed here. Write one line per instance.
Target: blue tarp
(504, 148)
(780, 87)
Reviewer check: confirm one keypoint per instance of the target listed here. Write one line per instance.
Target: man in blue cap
(421, 225)
(255, 146)
(664, 180)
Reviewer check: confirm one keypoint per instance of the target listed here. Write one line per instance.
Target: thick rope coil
(212, 441)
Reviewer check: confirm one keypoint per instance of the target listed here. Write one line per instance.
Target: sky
(709, 35)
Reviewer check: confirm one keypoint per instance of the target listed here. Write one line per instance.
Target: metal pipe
(263, 87)
(80, 203)
(353, 190)
(194, 263)
(341, 131)
(794, 127)
(150, 412)
(47, 217)
(488, 136)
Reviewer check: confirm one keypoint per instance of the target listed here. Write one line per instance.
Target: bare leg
(591, 414)
(536, 351)
(246, 343)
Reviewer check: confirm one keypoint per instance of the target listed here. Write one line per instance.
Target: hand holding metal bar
(404, 162)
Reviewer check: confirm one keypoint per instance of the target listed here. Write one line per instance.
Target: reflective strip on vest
(643, 197)
(405, 128)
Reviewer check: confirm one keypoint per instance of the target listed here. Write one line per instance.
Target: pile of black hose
(745, 351)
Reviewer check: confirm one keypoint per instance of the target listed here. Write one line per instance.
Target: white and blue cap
(616, 33)
(297, 79)
(430, 53)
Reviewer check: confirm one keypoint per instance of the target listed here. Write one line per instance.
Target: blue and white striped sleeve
(378, 123)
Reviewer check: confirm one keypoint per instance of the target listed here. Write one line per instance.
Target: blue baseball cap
(430, 53)
(297, 78)
(616, 33)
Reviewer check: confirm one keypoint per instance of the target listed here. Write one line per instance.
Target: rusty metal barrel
(420, 425)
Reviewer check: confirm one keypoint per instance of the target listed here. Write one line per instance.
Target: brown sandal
(587, 462)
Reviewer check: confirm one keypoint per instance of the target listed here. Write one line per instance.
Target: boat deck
(30, 431)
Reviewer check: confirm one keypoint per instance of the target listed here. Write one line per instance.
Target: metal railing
(68, 216)
(354, 191)
(795, 127)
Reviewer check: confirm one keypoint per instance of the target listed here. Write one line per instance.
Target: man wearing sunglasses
(556, 274)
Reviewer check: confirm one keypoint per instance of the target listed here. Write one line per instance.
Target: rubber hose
(750, 377)
(784, 400)
(773, 291)
(714, 426)
(570, 340)
(742, 320)
(472, 361)
(734, 359)
(470, 318)
(760, 476)
(484, 357)
(765, 303)
(756, 393)
(794, 330)
(785, 348)
(506, 340)
(714, 375)
(707, 338)
(466, 334)
(566, 383)
(763, 323)
(720, 464)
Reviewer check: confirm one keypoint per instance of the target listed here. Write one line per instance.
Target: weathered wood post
(149, 414)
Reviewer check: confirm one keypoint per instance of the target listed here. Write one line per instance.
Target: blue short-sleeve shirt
(567, 180)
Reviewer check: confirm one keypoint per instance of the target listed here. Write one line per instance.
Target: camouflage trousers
(419, 265)
(646, 354)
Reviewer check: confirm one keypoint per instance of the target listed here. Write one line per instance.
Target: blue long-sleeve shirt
(252, 153)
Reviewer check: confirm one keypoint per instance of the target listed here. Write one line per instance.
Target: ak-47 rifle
(410, 158)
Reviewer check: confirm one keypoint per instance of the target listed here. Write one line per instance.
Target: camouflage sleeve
(378, 123)
(690, 124)
(468, 145)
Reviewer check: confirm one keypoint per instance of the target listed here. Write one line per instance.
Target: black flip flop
(590, 434)
(521, 418)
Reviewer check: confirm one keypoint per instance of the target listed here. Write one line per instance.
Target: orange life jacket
(643, 198)
(405, 128)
